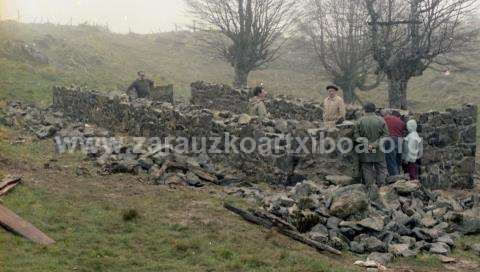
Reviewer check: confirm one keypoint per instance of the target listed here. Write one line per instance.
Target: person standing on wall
(142, 86)
(370, 131)
(256, 105)
(334, 108)
(393, 147)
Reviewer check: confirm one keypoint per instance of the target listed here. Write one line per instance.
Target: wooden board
(14, 223)
(8, 183)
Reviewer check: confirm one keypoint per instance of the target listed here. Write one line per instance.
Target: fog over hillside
(140, 16)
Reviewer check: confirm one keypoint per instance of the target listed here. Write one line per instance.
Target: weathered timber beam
(269, 221)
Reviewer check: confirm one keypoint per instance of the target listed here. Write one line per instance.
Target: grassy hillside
(86, 55)
(177, 229)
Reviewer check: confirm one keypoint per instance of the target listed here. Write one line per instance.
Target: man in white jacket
(412, 150)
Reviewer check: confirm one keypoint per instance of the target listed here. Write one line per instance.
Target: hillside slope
(34, 57)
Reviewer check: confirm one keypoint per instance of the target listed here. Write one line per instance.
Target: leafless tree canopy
(338, 34)
(250, 28)
(407, 36)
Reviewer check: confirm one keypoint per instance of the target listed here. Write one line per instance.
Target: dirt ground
(175, 229)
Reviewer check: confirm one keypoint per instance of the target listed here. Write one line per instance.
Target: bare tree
(251, 30)
(408, 35)
(338, 34)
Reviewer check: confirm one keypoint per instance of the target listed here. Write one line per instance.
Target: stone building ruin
(216, 110)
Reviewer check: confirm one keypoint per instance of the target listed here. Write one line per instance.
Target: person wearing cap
(334, 108)
(256, 105)
(142, 86)
(370, 131)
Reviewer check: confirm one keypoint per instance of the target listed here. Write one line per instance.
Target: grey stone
(244, 119)
(381, 258)
(407, 240)
(339, 243)
(339, 180)
(44, 132)
(373, 244)
(304, 189)
(476, 248)
(428, 221)
(357, 247)
(319, 233)
(349, 200)
(372, 223)
(447, 240)
(145, 163)
(406, 187)
(193, 180)
(281, 126)
(402, 250)
(332, 222)
(439, 248)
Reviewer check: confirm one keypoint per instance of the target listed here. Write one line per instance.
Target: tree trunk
(397, 93)
(241, 78)
(349, 94)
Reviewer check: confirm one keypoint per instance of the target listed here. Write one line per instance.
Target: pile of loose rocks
(406, 220)
(117, 154)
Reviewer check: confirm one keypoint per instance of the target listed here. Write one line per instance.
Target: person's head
(332, 91)
(383, 113)
(396, 114)
(412, 125)
(141, 74)
(259, 92)
(369, 107)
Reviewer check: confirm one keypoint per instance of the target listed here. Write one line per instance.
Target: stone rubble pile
(408, 219)
(113, 155)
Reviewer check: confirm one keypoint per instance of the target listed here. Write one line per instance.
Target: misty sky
(141, 16)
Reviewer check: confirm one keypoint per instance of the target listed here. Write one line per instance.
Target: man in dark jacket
(142, 86)
(370, 130)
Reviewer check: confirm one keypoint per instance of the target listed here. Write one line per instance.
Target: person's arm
(383, 134)
(151, 83)
(341, 108)
(325, 109)
(262, 110)
(132, 86)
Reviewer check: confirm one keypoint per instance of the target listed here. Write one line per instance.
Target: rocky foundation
(449, 137)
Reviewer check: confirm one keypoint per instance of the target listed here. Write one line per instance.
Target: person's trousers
(393, 158)
(374, 175)
(412, 169)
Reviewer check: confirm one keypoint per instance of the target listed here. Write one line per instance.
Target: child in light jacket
(412, 150)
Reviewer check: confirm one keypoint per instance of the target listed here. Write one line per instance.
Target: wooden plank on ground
(271, 221)
(7, 184)
(14, 223)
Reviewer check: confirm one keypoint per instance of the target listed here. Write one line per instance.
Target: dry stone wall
(449, 148)
(151, 119)
(163, 94)
(223, 97)
(449, 160)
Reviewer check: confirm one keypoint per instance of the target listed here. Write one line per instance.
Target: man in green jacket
(369, 132)
(142, 86)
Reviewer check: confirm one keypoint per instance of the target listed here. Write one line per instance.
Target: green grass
(93, 57)
(174, 230)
